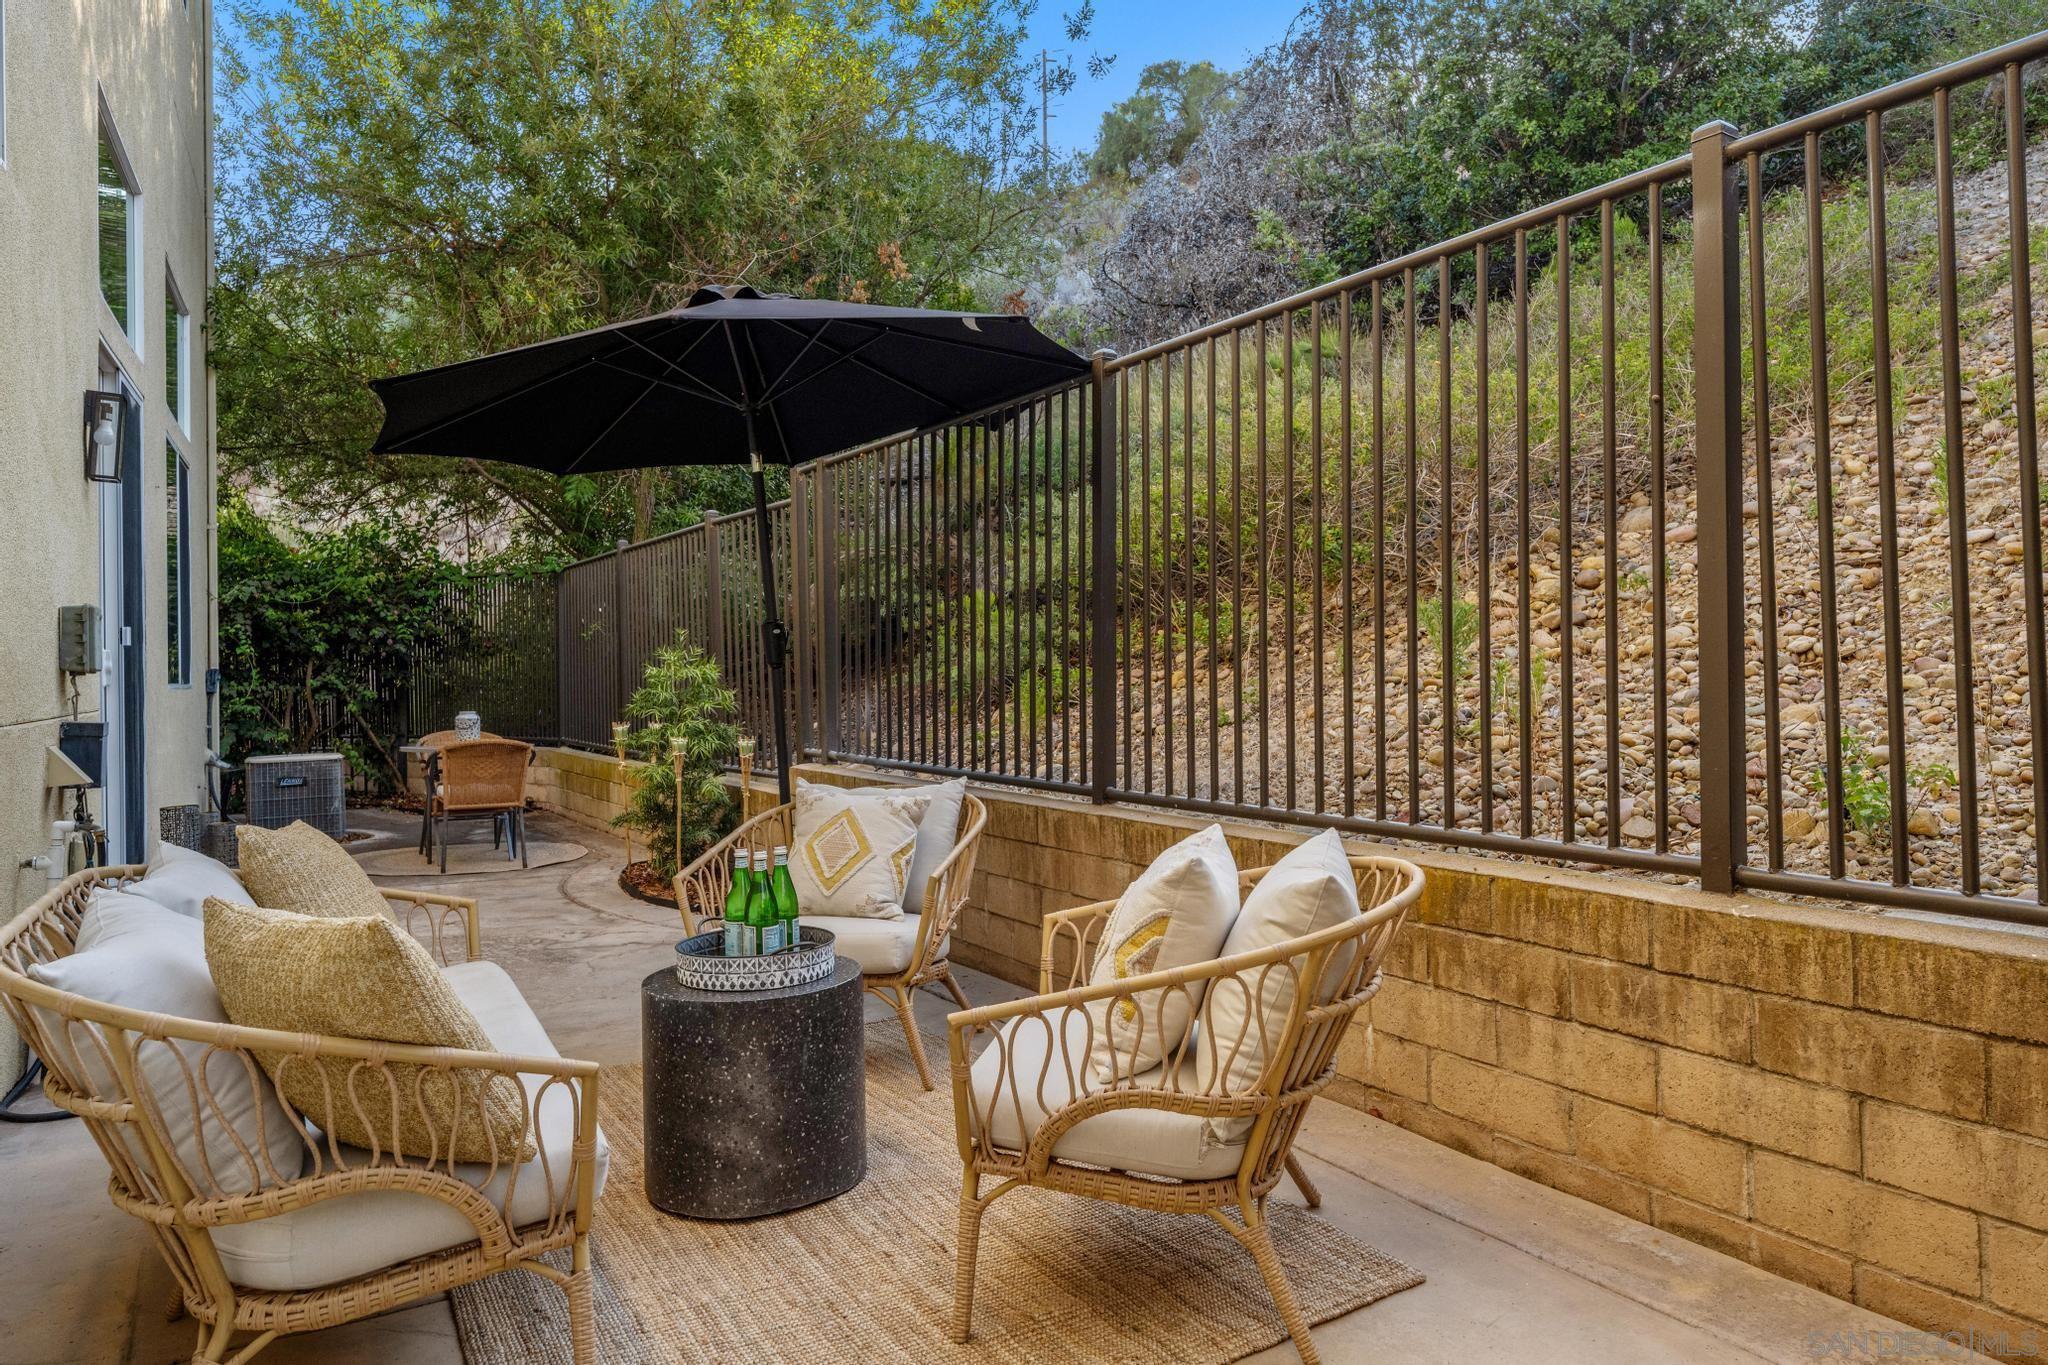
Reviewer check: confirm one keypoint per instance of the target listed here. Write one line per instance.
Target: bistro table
(756, 1101)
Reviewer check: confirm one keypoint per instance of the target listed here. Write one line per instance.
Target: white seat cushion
(882, 947)
(1150, 1141)
(359, 1233)
(180, 879)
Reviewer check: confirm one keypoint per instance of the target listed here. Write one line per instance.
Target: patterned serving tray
(701, 964)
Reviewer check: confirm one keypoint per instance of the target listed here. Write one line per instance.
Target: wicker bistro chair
(895, 956)
(479, 777)
(1033, 1110)
(516, 1212)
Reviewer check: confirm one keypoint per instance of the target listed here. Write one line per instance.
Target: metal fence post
(799, 615)
(714, 600)
(1102, 605)
(1717, 396)
(828, 609)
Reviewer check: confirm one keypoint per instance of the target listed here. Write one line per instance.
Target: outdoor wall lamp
(106, 432)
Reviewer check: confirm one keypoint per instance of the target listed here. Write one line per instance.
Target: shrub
(680, 700)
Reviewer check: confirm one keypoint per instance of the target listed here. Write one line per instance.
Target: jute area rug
(868, 1276)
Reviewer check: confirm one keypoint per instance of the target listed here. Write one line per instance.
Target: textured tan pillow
(298, 868)
(363, 978)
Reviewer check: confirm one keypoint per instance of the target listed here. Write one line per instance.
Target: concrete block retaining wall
(1854, 1100)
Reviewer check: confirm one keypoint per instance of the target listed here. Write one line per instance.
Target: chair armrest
(702, 886)
(438, 910)
(1081, 929)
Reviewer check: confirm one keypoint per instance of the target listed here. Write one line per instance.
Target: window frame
(178, 639)
(177, 351)
(130, 327)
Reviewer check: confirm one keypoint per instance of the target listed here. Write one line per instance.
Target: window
(177, 336)
(178, 567)
(117, 232)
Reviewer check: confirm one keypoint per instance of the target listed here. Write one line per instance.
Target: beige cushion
(134, 953)
(1175, 914)
(1150, 1141)
(298, 868)
(937, 832)
(341, 1239)
(882, 947)
(851, 852)
(181, 879)
(1309, 890)
(362, 978)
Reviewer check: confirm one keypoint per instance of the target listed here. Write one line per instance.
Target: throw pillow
(1176, 913)
(1309, 890)
(181, 879)
(936, 834)
(364, 978)
(851, 852)
(298, 868)
(135, 954)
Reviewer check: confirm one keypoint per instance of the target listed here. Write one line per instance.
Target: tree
(684, 715)
(1156, 126)
(1379, 127)
(314, 635)
(407, 184)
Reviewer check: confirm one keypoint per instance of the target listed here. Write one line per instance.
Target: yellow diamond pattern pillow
(299, 869)
(851, 851)
(1175, 914)
(364, 978)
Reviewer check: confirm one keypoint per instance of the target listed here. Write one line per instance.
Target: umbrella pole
(773, 640)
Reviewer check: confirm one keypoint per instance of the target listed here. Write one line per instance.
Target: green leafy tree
(413, 182)
(1157, 125)
(314, 635)
(680, 701)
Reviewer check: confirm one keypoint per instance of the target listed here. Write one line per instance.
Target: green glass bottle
(738, 932)
(784, 891)
(761, 914)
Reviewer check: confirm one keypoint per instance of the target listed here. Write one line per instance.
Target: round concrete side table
(756, 1101)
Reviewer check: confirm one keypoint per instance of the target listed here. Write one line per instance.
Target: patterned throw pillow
(1175, 914)
(852, 851)
(299, 869)
(364, 978)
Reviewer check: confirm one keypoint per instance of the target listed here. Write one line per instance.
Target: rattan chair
(481, 777)
(188, 1210)
(1161, 1139)
(701, 888)
(435, 740)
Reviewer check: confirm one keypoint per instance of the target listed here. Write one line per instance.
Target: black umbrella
(733, 375)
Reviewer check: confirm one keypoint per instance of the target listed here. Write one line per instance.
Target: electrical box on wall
(78, 639)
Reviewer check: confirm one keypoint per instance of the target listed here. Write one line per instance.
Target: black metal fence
(1691, 524)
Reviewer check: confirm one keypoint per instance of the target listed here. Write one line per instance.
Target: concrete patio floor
(1517, 1271)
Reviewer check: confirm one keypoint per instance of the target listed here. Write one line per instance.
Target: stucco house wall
(143, 67)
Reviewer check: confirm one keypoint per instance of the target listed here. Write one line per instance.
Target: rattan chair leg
(582, 1311)
(909, 1018)
(212, 1346)
(1258, 1240)
(964, 1254)
(953, 987)
(1310, 1195)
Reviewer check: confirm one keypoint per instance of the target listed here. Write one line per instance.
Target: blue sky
(1140, 32)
